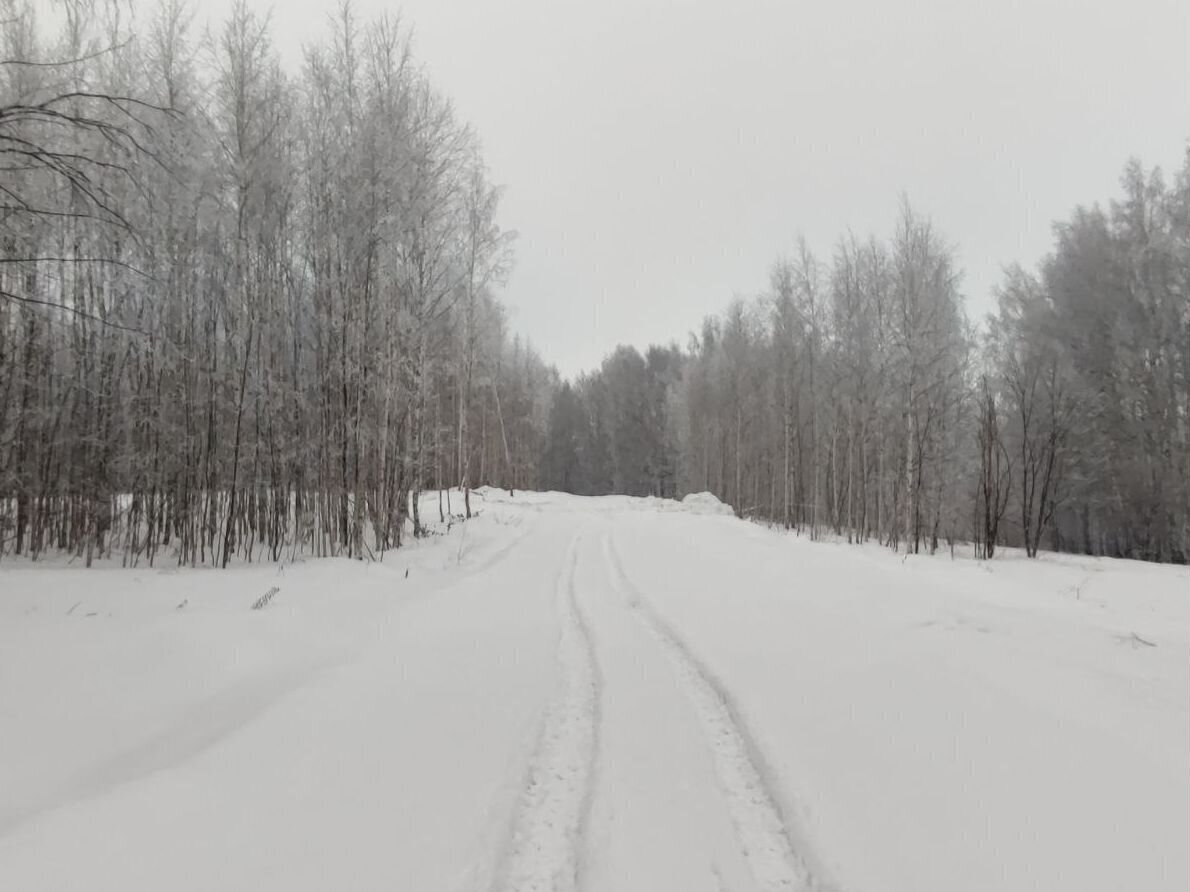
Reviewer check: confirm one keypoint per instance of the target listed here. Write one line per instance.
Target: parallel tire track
(545, 849)
(761, 831)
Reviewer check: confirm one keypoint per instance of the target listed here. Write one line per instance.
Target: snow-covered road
(598, 694)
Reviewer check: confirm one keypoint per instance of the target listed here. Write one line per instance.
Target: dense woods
(246, 312)
(855, 396)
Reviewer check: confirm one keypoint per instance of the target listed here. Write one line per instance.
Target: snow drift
(705, 503)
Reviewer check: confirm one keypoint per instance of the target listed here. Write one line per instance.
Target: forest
(857, 398)
(244, 312)
(247, 313)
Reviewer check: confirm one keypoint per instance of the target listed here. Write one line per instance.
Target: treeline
(856, 397)
(243, 311)
(249, 312)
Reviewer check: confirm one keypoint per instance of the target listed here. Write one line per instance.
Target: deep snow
(606, 694)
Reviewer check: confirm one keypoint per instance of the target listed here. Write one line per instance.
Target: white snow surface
(598, 694)
(705, 503)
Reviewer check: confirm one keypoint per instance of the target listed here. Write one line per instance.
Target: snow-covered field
(605, 694)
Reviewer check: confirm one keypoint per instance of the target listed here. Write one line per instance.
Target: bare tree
(995, 470)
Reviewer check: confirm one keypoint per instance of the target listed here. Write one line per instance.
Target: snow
(705, 503)
(606, 694)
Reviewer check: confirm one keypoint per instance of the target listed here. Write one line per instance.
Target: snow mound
(705, 503)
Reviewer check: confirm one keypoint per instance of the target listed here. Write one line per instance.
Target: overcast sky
(659, 155)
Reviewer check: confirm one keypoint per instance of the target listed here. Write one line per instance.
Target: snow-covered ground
(605, 694)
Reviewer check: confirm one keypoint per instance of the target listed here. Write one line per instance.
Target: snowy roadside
(158, 729)
(940, 724)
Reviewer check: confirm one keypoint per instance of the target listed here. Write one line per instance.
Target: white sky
(659, 155)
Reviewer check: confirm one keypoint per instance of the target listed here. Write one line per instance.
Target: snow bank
(700, 503)
(705, 503)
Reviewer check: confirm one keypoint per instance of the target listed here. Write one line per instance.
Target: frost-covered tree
(246, 312)
(856, 397)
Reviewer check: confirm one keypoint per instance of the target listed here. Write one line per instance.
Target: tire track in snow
(500, 554)
(763, 837)
(544, 852)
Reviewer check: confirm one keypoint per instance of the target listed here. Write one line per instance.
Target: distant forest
(247, 313)
(855, 396)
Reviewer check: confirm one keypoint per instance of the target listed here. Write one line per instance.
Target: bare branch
(83, 314)
(62, 63)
